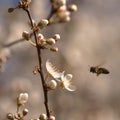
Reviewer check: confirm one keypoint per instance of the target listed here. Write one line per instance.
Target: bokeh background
(92, 37)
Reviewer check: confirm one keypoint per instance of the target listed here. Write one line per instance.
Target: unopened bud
(11, 10)
(40, 39)
(40, 36)
(62, 8)
(72, 8)
(52, 117)
(62, 15)
(22, 99)
(43, 116)
(25, 112)
(66, 19)
(43, 23)
(56, 37)
(28, 1)
(52, 85)
(50, 41)
(10, 116)
(26, 35)
(54, 49)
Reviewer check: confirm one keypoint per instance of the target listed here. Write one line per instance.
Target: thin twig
(40, 66)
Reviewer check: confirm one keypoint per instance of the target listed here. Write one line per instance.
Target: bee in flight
(98, 70)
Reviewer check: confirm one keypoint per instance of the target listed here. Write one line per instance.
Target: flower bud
(56, 37)
(25, 112)
(43, 23)
(58, 3)
(28, 1)
(40, 39)
(43, 116)
(62, 8)
(22, 99)
(72, 8)
(62, 15)
(66, 19)
(10, 116)
(50, 41)
(26, 35)
(52, 84)
(40, 36)
(52, 117)
(54, 49)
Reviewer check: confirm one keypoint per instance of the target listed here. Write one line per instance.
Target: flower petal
(53, 70)
(70, 88)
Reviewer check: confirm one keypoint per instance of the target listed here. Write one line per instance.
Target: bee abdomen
(104, 71)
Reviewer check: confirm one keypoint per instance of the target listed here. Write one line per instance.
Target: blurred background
(92, 37)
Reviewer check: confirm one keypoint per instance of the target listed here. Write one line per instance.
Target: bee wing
(102, 63)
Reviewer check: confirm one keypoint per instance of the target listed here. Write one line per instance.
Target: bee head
(92, 69)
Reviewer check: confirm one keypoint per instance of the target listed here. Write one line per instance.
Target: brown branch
(40, 65)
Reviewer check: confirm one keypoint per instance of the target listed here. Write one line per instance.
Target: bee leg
(98, 74)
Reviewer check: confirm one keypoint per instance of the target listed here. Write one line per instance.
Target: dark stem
(40, 66)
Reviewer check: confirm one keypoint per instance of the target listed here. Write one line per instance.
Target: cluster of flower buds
(22, 4)
(44, 43)
(43, 116)
(17, 116)
(21, 100)
(62, 12)
(5, 54)
(61, 80)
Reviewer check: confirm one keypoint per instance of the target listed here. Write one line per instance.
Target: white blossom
(23, 98)
(66, 82)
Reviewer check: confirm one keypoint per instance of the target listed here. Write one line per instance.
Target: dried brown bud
(36, 68)
(10, 116)
(11, 10)
(26, 35)
(25, 112)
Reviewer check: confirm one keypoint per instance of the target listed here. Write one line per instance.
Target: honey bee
(98, 70)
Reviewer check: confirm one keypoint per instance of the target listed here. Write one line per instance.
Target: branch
(40, 66)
